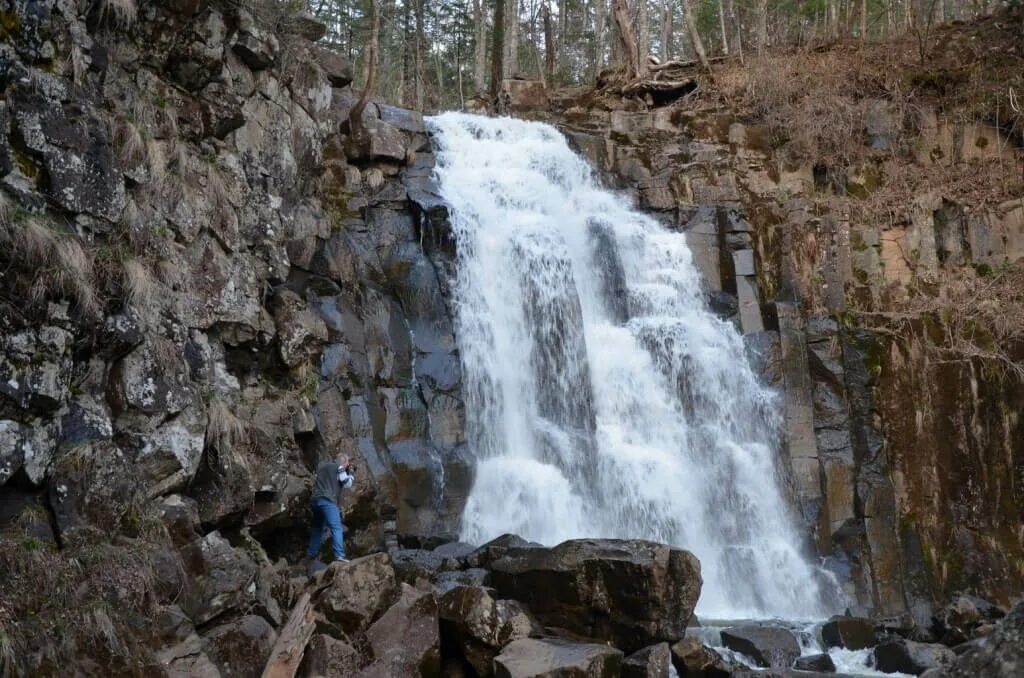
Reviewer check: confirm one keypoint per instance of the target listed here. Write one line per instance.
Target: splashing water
(602, 398)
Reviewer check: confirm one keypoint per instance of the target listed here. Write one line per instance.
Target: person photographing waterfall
(331, 478)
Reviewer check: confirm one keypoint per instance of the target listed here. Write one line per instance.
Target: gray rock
(959, 620)
(337, 68)
(358, 592)
(221, 578)
(257, 48)
(239, 647)
(632, 593)
(479, 625)
(815, 662)
(650, 662)
(908, 656)
(301, 334)
(406, 640)
(691, 657)
(999, 654)
(327, 656)
(555, 658)
(379, 141)
(853, 633)
(152, 379)
(768, 646)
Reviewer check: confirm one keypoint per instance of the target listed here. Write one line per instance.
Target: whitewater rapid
(603, 399)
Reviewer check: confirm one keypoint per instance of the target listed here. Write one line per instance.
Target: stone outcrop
(630, 593)
(1000, 654)
(549, 657)
(768, 646)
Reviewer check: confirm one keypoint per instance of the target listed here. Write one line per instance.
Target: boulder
(337, 68)
(853, 633)
(355, 594)
(769, 646)
(414, 564)
(632, 593)
(998, 655)
(479, 626)
(186, 659)
(301, 333)
(406, 640)
(525, 95)
(377, 141)
(650, 662)
(474, 576)
(221, 578)
(238, 647)
(908, 656)
(691, 657)
(327, 656)
(815, 662)
(960, 619)
(555, 658)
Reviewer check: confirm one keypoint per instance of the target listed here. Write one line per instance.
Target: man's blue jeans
(325, 512)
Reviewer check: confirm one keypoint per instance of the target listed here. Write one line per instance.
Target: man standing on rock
(331, 477)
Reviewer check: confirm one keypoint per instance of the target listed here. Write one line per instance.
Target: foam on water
(602, 398)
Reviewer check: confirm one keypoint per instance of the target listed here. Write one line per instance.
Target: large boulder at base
(239, 647)
(769, 646)
(220, 578)
(998, 655)
(907, 656)
(358, 592)
(327, 656)
(963, 618)
(631, 593)
(650, 662)
(479, 626)
(691, 657)
(556, 658)
(815, 662)
(186, 660)
(406, 640)
(853, 633)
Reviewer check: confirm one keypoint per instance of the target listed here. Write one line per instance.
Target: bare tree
(643, 31)
(498, 49)
(599, 26)
(627, 37)
(421, 76)
(762, 25)
(691, 27)
(549, 43)
(666, 31)
(479, 46)
(863, 19)
(512, 39)
(355, 116)
(721, 23)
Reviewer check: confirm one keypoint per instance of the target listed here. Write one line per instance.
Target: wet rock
(553, 658)
(414, 564)
(908, 656)
(768, 646)
(480, 626)
(691, 657)
(650, 662)
(486, 554)
(301, 333)
(853, 633)
(631, 593)
(327, 656)
(815, 662)
(406, 640)
(474, 576)
(221, 578)
(358, 592)
(1000, 654)
(960, 619)
(238, 648)
(723, 304)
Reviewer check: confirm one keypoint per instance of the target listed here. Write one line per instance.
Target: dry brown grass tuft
(140, 287)
(224, 430)
(131, 147)
(118, 13)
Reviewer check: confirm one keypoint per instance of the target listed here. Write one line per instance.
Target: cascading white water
(602, 398)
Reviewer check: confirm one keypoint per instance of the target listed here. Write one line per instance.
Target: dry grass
(140, 287)
(118, 13)
(224, 430)
(131, 147)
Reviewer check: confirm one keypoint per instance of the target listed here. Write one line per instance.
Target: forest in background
(439, 54)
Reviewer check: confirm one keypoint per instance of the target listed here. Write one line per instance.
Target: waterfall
(603, 399)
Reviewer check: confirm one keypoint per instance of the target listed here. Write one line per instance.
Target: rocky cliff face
(207, 288)
(873, 311)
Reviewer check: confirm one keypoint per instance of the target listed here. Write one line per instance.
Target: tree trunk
(287, 653)
(691, 27)
(666, 31)
(479, 47)
(721, 24)
(762, 25)
(863, 19)
(421, 74)
(512, 39)
(627, 38)
(643, 32)
(833, 18)
(498, 49)
(549, 44)
(737, 25)
(562, 45)
(599, 25)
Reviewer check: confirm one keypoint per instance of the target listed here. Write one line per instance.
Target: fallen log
(291, 643)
